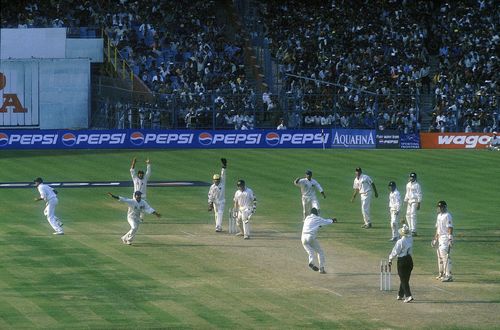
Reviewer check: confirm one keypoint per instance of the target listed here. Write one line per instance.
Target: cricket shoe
(322, 270)
(313, 267)
(239, 234)
(58, 233)
(246, 237)
(439, 277)
(447, 279)
(124, 241)
(399, 298)
(218, 229)
(394, 239)
(408, 299)
(366, 226)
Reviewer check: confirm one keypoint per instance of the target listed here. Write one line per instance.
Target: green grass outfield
(181, 274)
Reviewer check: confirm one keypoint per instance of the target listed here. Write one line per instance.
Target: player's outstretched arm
(132, 166)
(114, 196)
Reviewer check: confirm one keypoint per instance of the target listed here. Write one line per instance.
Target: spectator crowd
(349, 64)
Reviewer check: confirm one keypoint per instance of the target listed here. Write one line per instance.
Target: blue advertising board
(199, 139)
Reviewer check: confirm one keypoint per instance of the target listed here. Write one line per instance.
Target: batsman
(217, 195)
(443, 240)
(244, 207)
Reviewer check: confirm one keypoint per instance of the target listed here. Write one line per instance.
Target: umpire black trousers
(405, 266)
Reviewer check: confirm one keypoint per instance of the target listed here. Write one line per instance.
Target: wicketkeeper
(217, 195)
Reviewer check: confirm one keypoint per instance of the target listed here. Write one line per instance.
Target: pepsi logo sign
(69, 139)
(272, 138)
(4, 139)
(137, 138)
(205, 138)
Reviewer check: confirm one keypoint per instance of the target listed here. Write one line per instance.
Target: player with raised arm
(217, 195)
(136, 206)
(140, 180)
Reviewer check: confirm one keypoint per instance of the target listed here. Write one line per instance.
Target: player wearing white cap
(245, 205)
(309, 241)
(444, 241)
(217, 195)
(394, 207)
(413, 198)
(364, 185)
(49, 195)
(140, 180)
(136, 206)
(307, 188)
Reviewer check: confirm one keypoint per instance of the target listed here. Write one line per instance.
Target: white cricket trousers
(50, 213)
(134, 226)
(219, 214)
(243, 221)
(443, 254)
(366, 199)
(394, 223)
(312, 247)
(411, 216)
(308, 204)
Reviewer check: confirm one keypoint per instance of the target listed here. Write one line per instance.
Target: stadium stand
(403, 65)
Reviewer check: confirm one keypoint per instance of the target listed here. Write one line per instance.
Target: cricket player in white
(245, 205)
(140, 180)
(413, 198)
(494, 142)
(309, 231)
(394, 208)
(307, 188)
(135, 207)
(444, 239)
(364, 185)
(217, 195)
(50, 197)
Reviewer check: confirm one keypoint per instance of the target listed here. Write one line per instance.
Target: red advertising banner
(454, 140)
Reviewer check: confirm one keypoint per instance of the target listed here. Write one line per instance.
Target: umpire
(403, 249)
